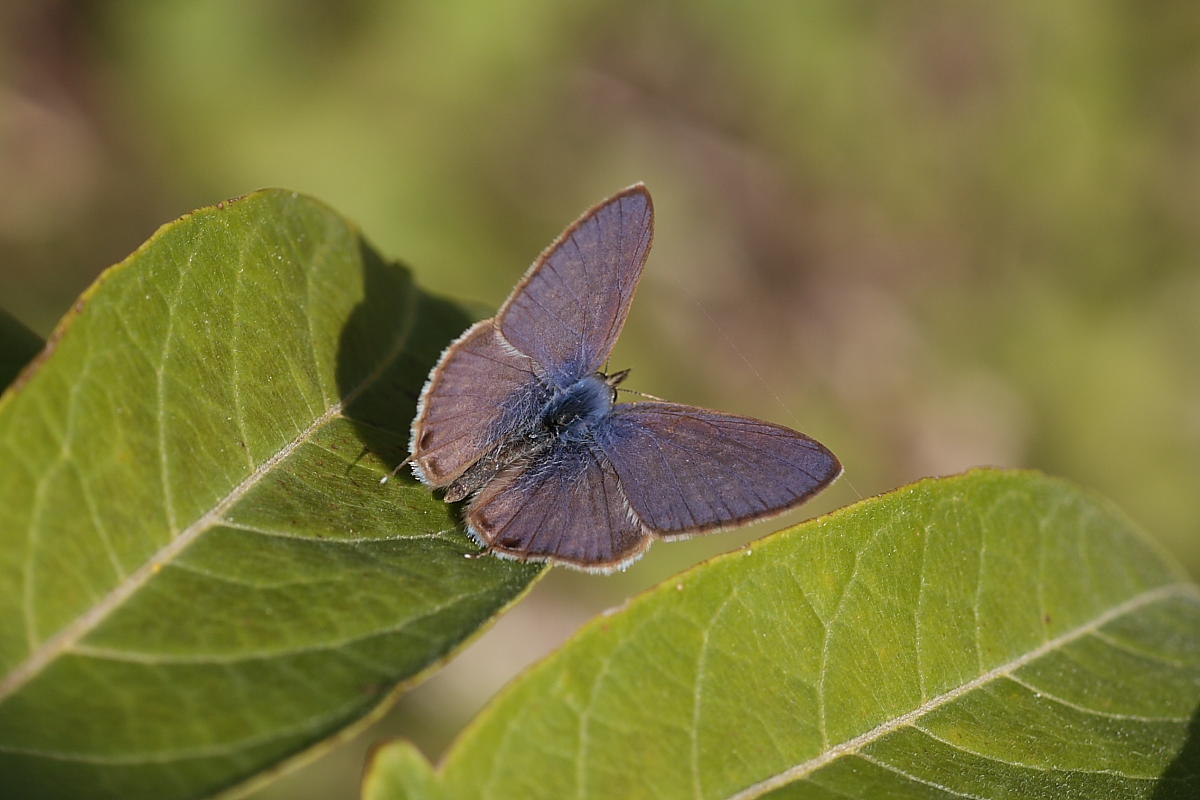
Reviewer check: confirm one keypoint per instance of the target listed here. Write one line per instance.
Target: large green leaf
(18, 346)
(200, 573)
(993, 635)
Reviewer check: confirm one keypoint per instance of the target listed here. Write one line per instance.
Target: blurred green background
(932, 234)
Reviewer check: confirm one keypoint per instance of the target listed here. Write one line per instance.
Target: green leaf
(18, 346)
(398, 769)
(993, 635)
(200, 573)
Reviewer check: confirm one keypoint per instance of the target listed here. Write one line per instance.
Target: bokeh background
(933, 234)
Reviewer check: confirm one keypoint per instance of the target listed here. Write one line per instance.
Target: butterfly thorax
(569, 415)
(572, 413)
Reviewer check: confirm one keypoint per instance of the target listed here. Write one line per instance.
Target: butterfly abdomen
(519, 449)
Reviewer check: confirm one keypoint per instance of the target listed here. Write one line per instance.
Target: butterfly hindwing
(474, 396)
(568, 310)
(688, 470)
(567, 506)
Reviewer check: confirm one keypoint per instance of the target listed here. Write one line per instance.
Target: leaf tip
(397, 770)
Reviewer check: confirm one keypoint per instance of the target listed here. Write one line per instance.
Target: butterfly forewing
(568, 506)
(479, 392)
(569, 309)
(687, 470)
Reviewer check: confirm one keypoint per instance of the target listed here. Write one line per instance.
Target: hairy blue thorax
(534, 421)
(572, 413)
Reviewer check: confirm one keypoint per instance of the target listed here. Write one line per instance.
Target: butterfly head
(613, 381)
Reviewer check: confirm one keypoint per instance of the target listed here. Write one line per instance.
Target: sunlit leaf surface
(199, 571)
(994, 635)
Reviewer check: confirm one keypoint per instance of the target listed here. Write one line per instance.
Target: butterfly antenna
(850, 483)
(642, 394)
(399, 467)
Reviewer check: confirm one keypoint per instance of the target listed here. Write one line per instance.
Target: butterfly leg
(399, 467)
(487, 550)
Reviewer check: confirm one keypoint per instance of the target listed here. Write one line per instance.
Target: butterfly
(517, 417)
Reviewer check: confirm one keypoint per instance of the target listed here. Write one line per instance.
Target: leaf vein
(917, 779)
(221, 750)
(1022, 765)
(221, 659)
(909, 718)
(1062, 701)
(75, 630)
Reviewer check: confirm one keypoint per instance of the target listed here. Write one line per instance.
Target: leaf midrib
(53, 646)
(852, 745)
